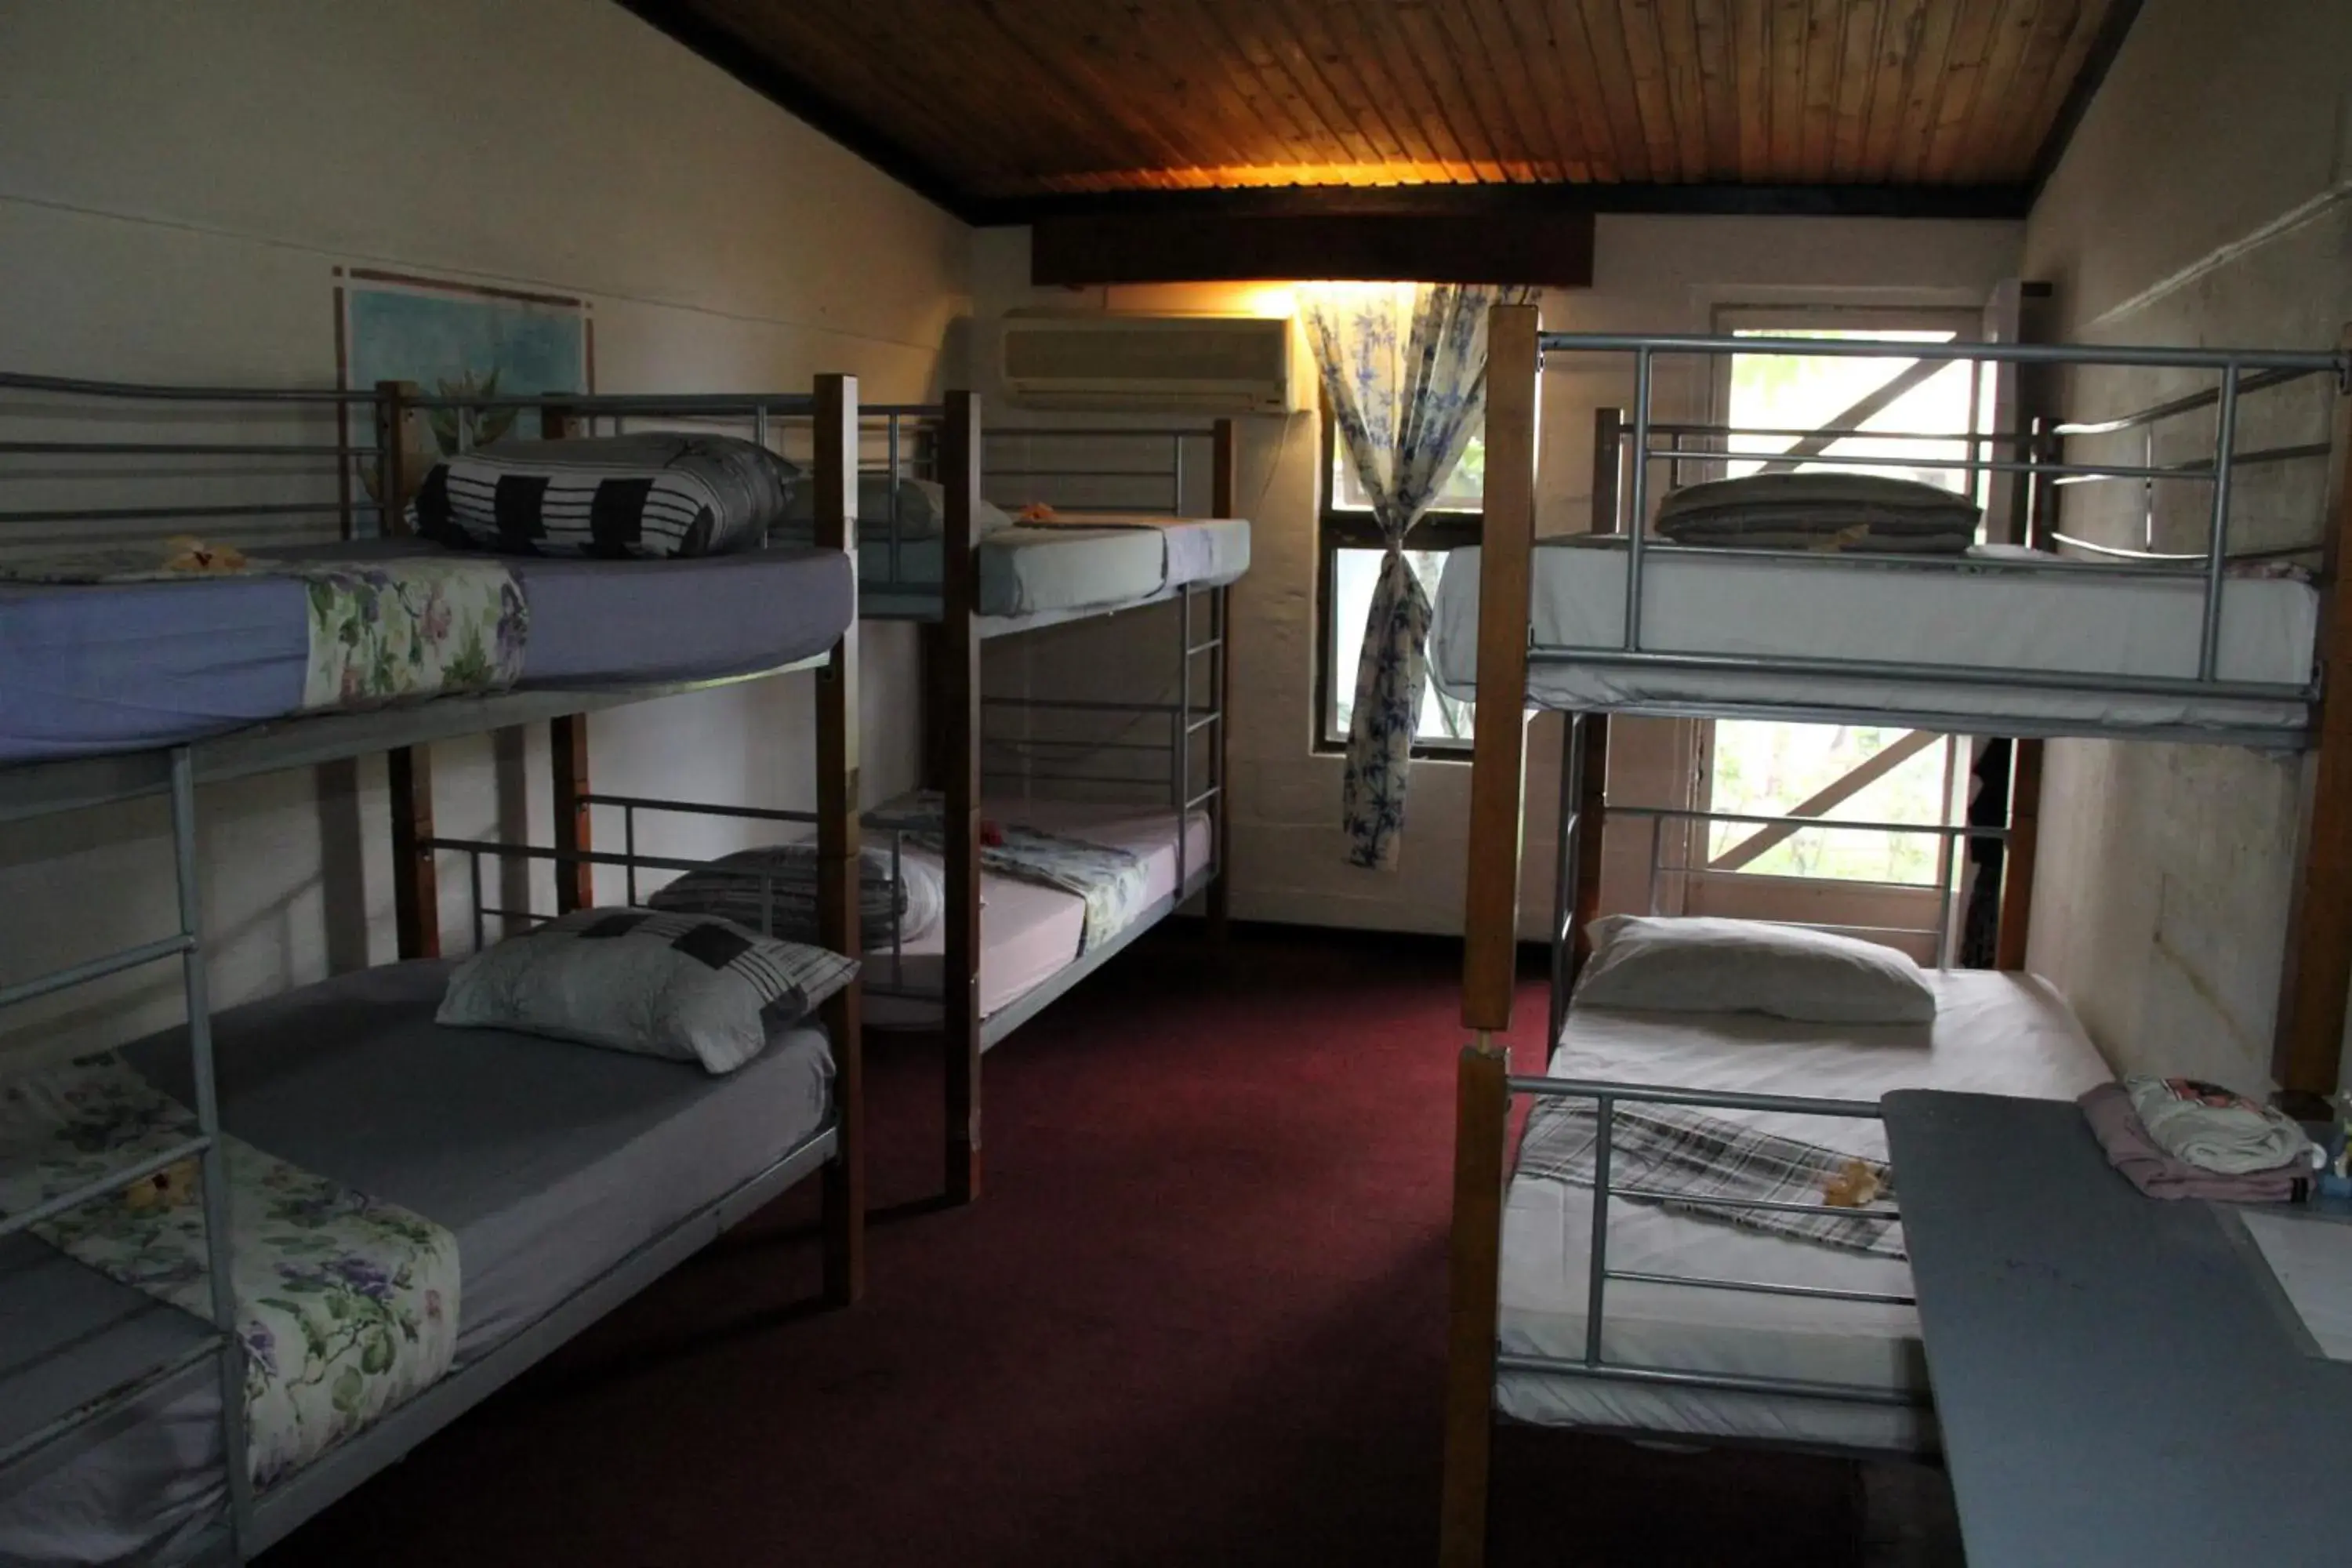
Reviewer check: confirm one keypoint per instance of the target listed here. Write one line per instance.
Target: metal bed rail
(1594, 1363)
(95, 462)
(2239, 371)
(185, 944)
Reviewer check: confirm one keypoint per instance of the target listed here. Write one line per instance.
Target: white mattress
(1996, 1033)
(1028, 933)
(1042, 570)
(1982, 615)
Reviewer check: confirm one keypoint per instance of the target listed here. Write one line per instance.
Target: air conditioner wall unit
(1177, 365)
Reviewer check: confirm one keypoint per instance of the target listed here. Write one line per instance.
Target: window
(1351, 546)
(1925, 412)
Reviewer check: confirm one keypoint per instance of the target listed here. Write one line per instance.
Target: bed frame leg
(2017, 857)
(1480, 1118)
(956, 689)
(839, 789)
(575, 880)
(415, 885)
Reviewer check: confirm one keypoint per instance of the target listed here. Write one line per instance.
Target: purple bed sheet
(86, 669)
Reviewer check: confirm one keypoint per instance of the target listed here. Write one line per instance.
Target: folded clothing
(2209, 1127)
(2144, 1162)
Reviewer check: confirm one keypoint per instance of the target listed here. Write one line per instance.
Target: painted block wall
(2203, 201)
(178, 182)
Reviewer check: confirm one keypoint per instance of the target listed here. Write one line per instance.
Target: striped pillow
(621, 497)
(1844, 513)
(785, 875)
(692, 988)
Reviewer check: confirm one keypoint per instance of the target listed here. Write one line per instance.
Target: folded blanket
(2145, 1164)
(1698, 1158)
(733, 885)
(346, 1306)
(1109, 880)
(380, 631)
(2211, 1128)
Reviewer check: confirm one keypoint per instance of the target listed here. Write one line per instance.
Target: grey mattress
(550, 1162)
(1039, 571)
(89, 669)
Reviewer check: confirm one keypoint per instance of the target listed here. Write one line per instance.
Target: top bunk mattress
(1980, 612)
(1994, 1032)
(89, 669)
(1083, 563)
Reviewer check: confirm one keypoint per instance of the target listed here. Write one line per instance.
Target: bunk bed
(1584, 1296)
(565, 1178)
(976, 573)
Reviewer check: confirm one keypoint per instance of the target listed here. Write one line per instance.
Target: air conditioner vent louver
(1140, 364)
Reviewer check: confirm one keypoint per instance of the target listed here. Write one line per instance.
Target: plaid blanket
(1699, 1158)
(1108, 880)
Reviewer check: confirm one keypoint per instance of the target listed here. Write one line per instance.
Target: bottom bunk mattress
(550, 1161)
(1028, 933)
(88, 668)
(1993, 1033)
(1073, 564)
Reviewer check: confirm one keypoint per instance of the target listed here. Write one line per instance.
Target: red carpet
(1197, 1320)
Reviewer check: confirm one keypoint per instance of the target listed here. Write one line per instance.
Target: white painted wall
(2203, 201)
(1652, 274)
(178, 179)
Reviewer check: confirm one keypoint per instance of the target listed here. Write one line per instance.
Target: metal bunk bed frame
(255, 1521)
(949, 439)
(2319, 965)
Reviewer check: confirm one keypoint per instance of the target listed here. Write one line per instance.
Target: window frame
(1338, 528)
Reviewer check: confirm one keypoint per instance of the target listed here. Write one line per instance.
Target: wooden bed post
(2306, 1058)
(1490, 927)
(1224, 501)
(839, 792)
(392, 399)
(415, 887)
(1592, 821)
(567, 748)
(956, 688)
(2017, 855)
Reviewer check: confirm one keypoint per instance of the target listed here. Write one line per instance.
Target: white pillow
(689, 987)
(1701, 964)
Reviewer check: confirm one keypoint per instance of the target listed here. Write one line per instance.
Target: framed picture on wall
(452, 339)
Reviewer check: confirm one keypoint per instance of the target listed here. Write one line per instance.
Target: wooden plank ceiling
(992, 104)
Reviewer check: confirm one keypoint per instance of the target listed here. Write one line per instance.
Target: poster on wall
(455, 339)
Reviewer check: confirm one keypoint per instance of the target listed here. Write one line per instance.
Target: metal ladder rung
(104, 1186)
(98, 968)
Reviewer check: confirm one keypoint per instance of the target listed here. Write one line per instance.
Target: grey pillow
(648, 496)
(1855, 513)
(1708, 964)
(690, 988)
(733, 885)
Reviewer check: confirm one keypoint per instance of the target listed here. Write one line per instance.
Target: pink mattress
(1028, 933)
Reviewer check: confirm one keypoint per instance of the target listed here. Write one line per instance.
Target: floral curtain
(1404, 375)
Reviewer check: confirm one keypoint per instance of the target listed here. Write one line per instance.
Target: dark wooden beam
(752, 66)
(1472, 203)
(1545, 248)
(2113, 28)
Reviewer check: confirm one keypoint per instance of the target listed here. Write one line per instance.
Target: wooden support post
(839, 792)
(416, 886)
(2017, 855)
(956, 691)
(1224, 501)
(567, 745)
(392, 476)
(1482, 1106)
(1498, 754)
(1608, 463)
(1591, 824)
(2306, 1058)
